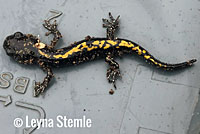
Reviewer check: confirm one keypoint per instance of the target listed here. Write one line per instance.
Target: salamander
(28, 49)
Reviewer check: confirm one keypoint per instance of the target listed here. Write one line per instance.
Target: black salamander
(27, 49)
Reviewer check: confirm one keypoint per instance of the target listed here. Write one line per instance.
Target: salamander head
(21, 47)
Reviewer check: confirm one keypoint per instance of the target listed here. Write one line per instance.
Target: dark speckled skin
(14, 47)
(21, 47)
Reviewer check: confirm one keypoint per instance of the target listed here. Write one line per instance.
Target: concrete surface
(147, 101)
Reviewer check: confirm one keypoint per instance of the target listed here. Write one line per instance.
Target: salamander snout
(7, 47)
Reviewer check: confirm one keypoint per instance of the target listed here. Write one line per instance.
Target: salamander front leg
(113, 71)
(111, 26)
(52, 28)
(40, 87)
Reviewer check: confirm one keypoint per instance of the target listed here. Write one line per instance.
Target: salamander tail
(177, 66)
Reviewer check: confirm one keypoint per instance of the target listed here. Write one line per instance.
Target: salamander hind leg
(111, 26)
(113, 71)
(52, 28)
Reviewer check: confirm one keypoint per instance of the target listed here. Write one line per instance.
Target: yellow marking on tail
(147, 57)
(126, 44)
(135, 48)
(153, 61)
(130, 43)
(138, 50)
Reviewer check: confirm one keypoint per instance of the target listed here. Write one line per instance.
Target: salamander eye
(18, 35)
